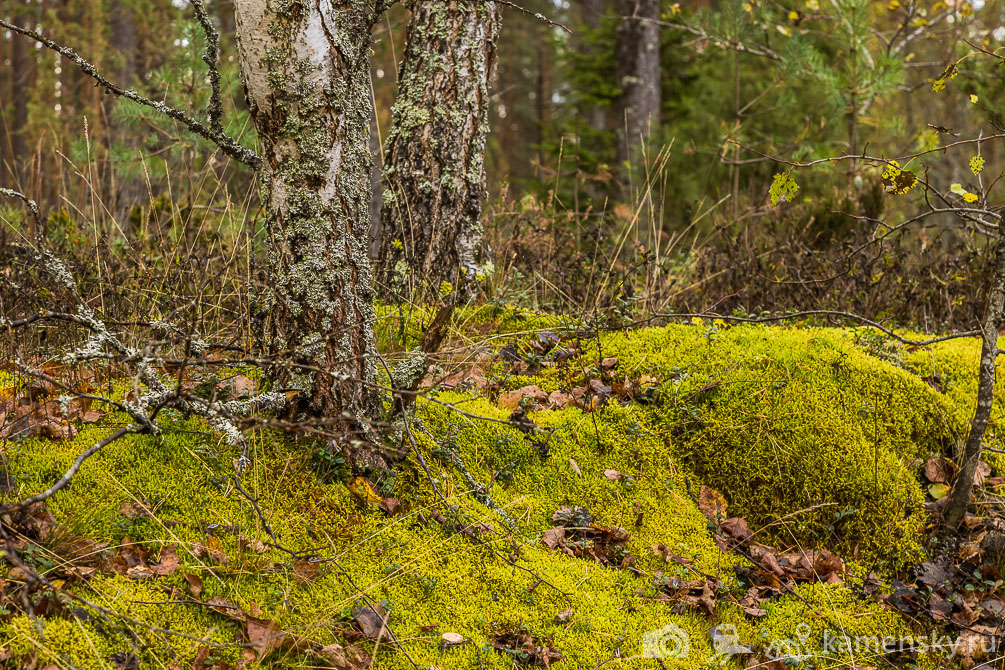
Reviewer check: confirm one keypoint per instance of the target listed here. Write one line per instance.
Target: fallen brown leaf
(711, 503)
(305, 571)
(167, 562)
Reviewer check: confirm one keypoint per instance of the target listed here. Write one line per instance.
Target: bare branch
(72, 470)
(864, 157)
(32, 205)
(536, 15)
(211, 56)
(728, 43)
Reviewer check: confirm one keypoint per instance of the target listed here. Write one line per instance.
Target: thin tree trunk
(22, 79)
(993, 319)
(592, 14)
(434, 167)
(124, 194)
(305, 68)
(542, 98)
(637, 73)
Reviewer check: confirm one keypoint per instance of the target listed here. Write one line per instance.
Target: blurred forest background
(582, 217)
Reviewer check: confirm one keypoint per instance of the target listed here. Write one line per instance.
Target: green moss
(798, 428)
(777, 419)
(401, 326)
(953, 366)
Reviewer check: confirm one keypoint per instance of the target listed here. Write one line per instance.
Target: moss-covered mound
(802, 431)
(951, 368)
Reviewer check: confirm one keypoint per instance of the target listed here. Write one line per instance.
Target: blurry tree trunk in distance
(125, 192)
(637, 112)
(22, 74)
(592, 13)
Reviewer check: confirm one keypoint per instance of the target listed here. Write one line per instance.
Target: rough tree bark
(376, 173)
(637, 73)
(994, 319)
(306, 71)
(434, 172)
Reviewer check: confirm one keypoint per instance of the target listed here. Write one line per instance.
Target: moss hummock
(805, 433)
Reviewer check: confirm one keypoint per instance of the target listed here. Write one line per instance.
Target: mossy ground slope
(803, 431)
(801, 423)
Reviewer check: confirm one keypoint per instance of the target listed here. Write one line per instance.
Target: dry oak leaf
(254, 544)
(453, 638)
(264, 635)
(369, 620)
(663, 552)
(553, 537)
(167, 562)
(200, 550)
(139, 572)
(392, 506)
(712, 503)
(938, 470)
(512, 400)
(982, 473)
(194, 583)
(560, 400)
(305, 571)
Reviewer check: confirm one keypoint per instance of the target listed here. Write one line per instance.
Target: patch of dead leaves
(577, 534)
(525, 650)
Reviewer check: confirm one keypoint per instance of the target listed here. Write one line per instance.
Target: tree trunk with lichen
(434, 166)
(306, 73)
(638, 74)
(994, 319)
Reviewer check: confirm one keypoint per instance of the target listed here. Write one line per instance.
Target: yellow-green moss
(777, 419)
(953, 366)
(401, 326)
(799, 425)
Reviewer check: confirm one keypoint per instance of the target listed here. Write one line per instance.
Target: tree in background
(435, 154)
(637, 74)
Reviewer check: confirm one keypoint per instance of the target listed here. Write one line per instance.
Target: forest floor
(716, 496)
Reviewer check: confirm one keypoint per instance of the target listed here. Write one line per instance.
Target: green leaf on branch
(783, 189)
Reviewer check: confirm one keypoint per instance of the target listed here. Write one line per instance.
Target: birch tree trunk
(637, 73)
(306, 71)
(994, 318)
(434, 170)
